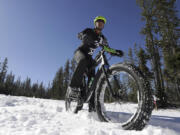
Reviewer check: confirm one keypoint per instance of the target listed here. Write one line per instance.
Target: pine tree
(3, 71)
(27, 87)
(130, 56)
(168, 25)
(41, 91)
(35, 88)
(3, 75)
(66, 75)
(0, 65)
(48, 91)
(135, 50)
(150, 31)
(17, 89)
(57, 90)
(9, 84)
(142, 61)
(131, 93)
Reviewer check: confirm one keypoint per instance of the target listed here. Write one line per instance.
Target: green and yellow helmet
(100, 18)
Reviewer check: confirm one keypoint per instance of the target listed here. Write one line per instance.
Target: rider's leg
(77, 77)
(82, 64)
(91, 103)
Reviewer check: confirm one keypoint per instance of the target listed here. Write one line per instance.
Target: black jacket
(90, 41)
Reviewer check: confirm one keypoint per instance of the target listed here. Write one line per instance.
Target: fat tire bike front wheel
(132, 113)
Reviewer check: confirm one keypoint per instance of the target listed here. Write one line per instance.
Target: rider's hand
(119, 53)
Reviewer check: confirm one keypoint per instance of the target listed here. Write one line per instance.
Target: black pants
(84, 63)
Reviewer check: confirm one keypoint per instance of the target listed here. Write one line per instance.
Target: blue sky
(38, 36)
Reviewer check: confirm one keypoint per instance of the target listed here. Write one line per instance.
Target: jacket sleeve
(105, 42)
(83, 35)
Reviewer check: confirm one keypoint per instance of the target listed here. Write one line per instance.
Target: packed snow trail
(34, 116)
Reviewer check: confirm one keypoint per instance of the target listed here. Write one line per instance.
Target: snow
(34, 116)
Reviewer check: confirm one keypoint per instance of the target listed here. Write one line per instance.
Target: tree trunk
(159, 82)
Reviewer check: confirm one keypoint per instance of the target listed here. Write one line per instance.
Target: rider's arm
(104, 41)
(107, 48)
(84, 36)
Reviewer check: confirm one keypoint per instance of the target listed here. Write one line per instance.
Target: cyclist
(91, 39)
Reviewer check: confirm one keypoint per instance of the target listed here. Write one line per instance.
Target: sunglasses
(100, 20)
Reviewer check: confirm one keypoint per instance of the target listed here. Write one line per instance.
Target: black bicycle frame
(104, 68)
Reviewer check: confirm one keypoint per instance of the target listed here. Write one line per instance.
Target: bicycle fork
(110, 90)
